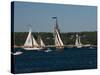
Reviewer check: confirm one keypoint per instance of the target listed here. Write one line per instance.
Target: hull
(33, 48)
(79, 46)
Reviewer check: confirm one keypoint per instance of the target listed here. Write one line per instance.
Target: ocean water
(68, 59)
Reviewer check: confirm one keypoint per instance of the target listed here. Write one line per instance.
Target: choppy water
(69, 59)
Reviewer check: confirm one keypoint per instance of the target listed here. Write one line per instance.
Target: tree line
(48, 38)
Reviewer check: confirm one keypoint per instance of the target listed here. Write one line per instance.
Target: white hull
(79, 46)
(33, 48)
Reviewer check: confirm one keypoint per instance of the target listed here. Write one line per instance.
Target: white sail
(42, 43)
(35, 44)
(58, 38)
(76, 42)
(58, 41)
(80, 41)
(28, 42)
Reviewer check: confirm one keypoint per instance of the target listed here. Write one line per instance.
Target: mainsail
(58, 41)
(28, 42)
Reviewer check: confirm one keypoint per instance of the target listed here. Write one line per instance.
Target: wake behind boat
(17, 53)
(48, 50)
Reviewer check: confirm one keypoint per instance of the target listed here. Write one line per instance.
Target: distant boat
(58, 42)
(91, 47)
(31, 43)
(17, 53)
(78, 43)
(88, 45)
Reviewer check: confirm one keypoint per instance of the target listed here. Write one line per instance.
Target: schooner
(32, 44)
(57, 39)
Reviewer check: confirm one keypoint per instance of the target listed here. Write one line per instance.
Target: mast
(56, 24)
(58, 41)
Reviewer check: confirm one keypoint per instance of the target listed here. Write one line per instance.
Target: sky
(71, 18)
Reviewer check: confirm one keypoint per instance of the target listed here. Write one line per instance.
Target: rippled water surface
(69, 59)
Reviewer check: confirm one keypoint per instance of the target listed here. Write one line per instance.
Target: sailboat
(58, 42)
(41, 43)
(78, 43)
(31, 43)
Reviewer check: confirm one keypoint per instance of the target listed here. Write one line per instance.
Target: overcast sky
(71, 18)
